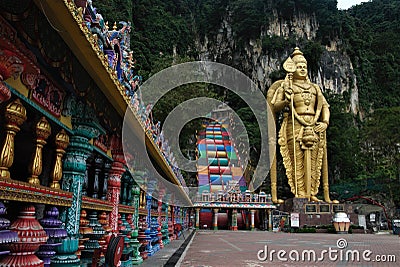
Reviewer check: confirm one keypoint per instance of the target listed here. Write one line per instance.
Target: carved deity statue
(302, 136)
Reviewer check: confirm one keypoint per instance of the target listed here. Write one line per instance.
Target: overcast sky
(345, 4)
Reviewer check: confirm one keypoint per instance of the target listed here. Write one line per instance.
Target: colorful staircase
(218, 165)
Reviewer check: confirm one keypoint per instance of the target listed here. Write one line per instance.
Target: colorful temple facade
(223, 200)
(71, 195)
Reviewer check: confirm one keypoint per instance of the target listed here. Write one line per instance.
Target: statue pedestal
(317, 213)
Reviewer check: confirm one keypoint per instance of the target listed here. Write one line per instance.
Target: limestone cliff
(335, 72)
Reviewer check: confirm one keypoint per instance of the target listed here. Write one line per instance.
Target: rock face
(335, 72)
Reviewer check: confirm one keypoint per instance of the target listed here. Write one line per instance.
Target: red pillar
(114, 180)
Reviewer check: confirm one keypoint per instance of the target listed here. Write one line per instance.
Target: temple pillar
(165, 226)
(150, 250)
(252, 212)
(114, 180)
(106, 171)
(234, 220)
(74, 170)
(197, 218)
(215, 221)
(74, 173)
(136, 259)
(270, 220)
(159, 234)
(98, 163)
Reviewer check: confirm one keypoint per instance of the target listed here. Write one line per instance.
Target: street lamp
(398, 160)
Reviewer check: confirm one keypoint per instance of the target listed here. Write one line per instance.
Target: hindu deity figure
(302, 136)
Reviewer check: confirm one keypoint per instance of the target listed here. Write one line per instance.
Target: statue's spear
(290, 67)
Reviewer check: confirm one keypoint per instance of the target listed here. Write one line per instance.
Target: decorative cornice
(126, 209)
(14, 190)
(244, 205)
(142, 211)
(96, 204)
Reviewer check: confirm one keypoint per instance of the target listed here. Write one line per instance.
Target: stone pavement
(171, 253)
(259, 248)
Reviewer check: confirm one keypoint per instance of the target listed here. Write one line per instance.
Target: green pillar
(84, 128)
(136, 259)
(165, 226)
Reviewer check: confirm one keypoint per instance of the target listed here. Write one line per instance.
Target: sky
(345, 4)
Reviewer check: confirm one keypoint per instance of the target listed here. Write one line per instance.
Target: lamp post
(398, 160)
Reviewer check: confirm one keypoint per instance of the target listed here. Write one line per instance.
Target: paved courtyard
(258, 248)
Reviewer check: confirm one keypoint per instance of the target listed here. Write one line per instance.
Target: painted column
(106, 170)
(84, 128)
(215, 222)
(270, 220)
(150, 250)
(165, 226)
(252, 219)
(159, 234)
(234, 220)
(114, 180)
(78, 151)
(197, 218)
(136, 259)
(98, 165)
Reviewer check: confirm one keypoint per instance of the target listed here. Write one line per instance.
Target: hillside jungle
(363, 147)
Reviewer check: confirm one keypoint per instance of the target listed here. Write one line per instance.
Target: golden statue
(306, 114)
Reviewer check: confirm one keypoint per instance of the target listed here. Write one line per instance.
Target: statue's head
(301, 65)
(297, 56)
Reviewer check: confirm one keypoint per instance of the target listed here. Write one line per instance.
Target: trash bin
(341, 222)
(396, 227)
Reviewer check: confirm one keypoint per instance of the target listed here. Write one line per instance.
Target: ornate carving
(15, 58)
(15, 115)
(43, 130)
(101, 142)
(45, 93)
(10, 66)
(77, 14)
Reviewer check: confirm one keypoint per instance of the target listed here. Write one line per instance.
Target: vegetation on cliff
(364, 149)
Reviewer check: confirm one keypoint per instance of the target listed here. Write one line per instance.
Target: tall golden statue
(306, 114)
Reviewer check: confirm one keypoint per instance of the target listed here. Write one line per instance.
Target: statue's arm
(323, 120)
(325, 113)
(279, 100)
